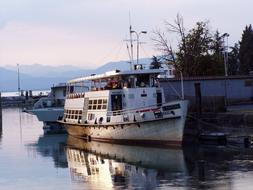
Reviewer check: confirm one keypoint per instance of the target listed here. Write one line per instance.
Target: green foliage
(201, 52)
(233, 60)
(156, 63)
(246, 51)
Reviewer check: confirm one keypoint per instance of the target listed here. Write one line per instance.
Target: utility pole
(18, 80)
(225, 56)
(0, 115)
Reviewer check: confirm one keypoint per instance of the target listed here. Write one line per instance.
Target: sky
(90, 33)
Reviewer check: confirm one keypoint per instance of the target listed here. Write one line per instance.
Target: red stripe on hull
(152, 143)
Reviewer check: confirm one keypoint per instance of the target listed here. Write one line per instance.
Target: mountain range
(42, 77)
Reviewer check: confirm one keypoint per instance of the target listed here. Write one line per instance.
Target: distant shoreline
(15, 93)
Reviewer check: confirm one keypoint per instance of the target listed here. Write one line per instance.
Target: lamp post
(225, 47)
(138, 43)
(18, 80)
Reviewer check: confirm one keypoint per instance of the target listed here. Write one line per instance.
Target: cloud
(80, 31)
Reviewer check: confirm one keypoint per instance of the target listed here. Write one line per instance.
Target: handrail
(139, 108)
(133, 110)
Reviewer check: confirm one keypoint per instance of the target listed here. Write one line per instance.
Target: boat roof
(59, 85)
(114, 73)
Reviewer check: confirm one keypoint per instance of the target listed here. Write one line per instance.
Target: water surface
(31, 160)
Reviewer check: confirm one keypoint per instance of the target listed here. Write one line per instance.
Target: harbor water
(31, 160)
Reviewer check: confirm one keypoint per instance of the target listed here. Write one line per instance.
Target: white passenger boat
(51, 108)
(125, 107)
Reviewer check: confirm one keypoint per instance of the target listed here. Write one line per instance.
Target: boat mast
(131, 46)
(129, 54)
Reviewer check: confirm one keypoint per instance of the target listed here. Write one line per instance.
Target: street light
(225, 47)
(18, 80)
(138, 43)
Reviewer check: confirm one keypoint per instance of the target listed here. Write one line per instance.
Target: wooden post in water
(198, 104)
(198, 98)
(0, 115)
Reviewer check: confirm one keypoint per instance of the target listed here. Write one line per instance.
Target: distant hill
(39, 77)
(38, 70)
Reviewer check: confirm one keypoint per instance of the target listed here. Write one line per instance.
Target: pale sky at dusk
(90, 33)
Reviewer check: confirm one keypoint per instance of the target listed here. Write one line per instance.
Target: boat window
(142, 80)
(71, 89)
(159, 98)
(131, 96)
(132, 82)
(91, 116)
(97, 104)
(116, 102)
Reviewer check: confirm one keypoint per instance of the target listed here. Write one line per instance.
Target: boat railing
(134, 110)
(76, 95)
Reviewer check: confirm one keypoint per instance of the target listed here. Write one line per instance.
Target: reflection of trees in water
(1, 132)
(1, 121)
(214, 167)
(53, 146)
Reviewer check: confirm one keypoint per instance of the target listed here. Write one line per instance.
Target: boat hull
(47, 114)
(158, 132)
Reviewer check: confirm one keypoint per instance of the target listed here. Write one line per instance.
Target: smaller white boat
(51, 108)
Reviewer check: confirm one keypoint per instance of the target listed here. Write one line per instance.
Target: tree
(156, 63)
(194, 50)
(217, 51)
(246, 51)
(198, 51)
(233, 60)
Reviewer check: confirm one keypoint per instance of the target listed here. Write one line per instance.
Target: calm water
(31, 160)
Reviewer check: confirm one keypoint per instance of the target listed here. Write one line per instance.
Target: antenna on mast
(129, 56)
(131, 41)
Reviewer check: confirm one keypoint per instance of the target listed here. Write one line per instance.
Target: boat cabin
(97, 97)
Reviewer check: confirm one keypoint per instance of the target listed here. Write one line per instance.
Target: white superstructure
(51, 108)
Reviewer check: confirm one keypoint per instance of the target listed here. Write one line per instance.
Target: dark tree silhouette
(156, 63)
(246, 51)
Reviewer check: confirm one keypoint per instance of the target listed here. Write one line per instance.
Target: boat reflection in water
(105, 166)
(51, 146)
